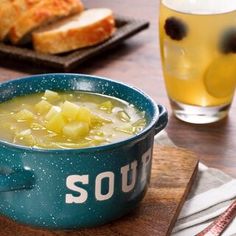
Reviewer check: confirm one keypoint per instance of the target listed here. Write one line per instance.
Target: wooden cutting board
(173, 173)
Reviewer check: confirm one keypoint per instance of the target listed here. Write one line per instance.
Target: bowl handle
(163, 119)
(17, 180)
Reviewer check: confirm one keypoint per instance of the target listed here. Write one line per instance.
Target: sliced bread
(5, 1)
(45, 12)
(89, 28)
(10, 11)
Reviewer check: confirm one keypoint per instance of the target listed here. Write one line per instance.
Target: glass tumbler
(198, 50)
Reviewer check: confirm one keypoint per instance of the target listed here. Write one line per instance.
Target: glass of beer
(198, 50)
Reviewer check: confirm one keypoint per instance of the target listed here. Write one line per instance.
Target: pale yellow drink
(198, 49)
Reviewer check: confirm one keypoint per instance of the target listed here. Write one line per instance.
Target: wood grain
(173, 173)
(137, 62)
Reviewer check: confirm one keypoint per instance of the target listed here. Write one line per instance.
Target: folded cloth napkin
(211, 194)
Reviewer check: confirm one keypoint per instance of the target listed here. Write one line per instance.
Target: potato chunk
(56, 123)
(70, 110)
(51, 96)
(76, 129)
(123, 116)
(106, 106)
(43, 106)
(52, 112)
(84, 115)
(24, 115)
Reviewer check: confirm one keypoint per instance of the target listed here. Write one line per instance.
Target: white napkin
(211, 195)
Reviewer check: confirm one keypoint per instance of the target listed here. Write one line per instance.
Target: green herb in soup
(54, 120)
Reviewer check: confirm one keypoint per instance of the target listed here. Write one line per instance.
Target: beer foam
(201, 7)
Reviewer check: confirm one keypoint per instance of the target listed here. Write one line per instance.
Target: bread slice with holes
(43, 13)
(89, 28)
(10, 11)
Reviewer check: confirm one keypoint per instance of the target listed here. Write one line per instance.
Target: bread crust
(46, 11)
(76, 37)
(10, 11)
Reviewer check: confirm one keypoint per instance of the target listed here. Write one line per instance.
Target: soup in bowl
(76, 150)
(67, 120)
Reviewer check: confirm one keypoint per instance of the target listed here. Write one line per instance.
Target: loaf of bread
(89, 28)
(43, 13)
(10, 11)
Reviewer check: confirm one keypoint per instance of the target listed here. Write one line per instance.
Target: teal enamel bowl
(67, 189)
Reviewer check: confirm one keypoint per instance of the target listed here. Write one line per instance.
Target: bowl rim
(104, 147)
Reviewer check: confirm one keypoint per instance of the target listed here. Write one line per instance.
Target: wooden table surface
(137, 62)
